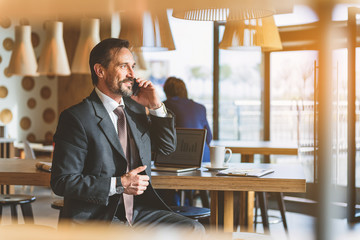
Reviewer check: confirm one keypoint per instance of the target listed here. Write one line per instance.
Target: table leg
(250, 211)
(247, 211)
(214, 210)
(228, 211)
(247, 158)
(242, 212)
(263, 207)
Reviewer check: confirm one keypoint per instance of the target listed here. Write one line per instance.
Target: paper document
(255, 172)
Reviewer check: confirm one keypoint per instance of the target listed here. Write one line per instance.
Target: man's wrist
(159, 112)
(119, 187)
(156, 106)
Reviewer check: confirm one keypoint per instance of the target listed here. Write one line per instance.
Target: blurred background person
(188, 114)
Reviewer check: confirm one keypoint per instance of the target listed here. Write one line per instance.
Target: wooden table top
(14, 171)
(258, 147)
(286, 178)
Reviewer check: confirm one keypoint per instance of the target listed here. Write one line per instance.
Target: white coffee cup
(217, 156)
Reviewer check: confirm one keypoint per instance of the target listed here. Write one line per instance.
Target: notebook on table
(255, 172)
(188, 154)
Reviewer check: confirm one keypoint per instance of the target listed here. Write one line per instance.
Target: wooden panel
(305, 36)
(74, 88)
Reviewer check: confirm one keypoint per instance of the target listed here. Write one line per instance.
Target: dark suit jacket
(190, 114)
(88, 153)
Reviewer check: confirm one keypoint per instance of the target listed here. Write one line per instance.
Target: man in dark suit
(101, 162)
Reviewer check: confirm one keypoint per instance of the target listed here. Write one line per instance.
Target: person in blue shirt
(189, 114)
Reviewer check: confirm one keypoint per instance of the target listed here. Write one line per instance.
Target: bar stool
(197, 213)
(58, 205)
(201, 214)
(13, 200)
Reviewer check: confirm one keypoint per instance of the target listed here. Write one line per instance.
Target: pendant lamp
(89, 37)
(213, 10)
(251, 33)
(23, 59)
(53, 59)
(148, 31)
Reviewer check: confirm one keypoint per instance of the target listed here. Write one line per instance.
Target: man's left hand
(147, 95)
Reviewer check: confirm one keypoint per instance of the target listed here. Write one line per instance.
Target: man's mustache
(127, 80)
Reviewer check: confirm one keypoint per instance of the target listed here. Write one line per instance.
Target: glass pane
(340, 113)
(191, 61)
(240, 95)
(292, 104)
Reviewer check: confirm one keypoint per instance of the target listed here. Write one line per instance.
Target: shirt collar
(109, 103)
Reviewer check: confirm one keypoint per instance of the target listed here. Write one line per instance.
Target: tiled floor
(300, 226)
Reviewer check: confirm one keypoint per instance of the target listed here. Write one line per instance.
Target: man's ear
(99, 70)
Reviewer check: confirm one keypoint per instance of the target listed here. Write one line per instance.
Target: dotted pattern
(3, 92)
(28, 83)
(27, 104)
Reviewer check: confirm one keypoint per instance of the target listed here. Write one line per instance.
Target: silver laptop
(188, 154)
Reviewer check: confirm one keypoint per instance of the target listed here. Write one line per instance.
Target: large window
(292, 104)
(192, 61)
(240, 95)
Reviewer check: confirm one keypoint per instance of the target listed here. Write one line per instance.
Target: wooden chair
(13, 200)
(261, 201)
(29, 152)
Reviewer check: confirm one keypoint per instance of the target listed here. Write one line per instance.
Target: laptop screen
(189, 149)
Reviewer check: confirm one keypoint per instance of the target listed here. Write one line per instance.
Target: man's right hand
(133, 182)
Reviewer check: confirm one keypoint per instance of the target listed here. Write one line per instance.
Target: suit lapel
(105, 123)
(132, 119)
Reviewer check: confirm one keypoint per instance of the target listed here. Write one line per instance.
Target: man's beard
(120, 88)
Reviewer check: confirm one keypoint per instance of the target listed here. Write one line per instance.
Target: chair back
(29, 152)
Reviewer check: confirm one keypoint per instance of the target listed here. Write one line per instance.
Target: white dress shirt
(110, 105)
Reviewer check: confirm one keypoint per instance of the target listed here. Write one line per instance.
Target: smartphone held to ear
(135, 87)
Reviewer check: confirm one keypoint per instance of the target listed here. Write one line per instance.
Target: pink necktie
(123, 137)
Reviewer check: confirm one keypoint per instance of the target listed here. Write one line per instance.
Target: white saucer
(210, 168)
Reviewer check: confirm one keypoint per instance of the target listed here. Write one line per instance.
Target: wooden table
(14, 171)
(248, 149)
(286, 178)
